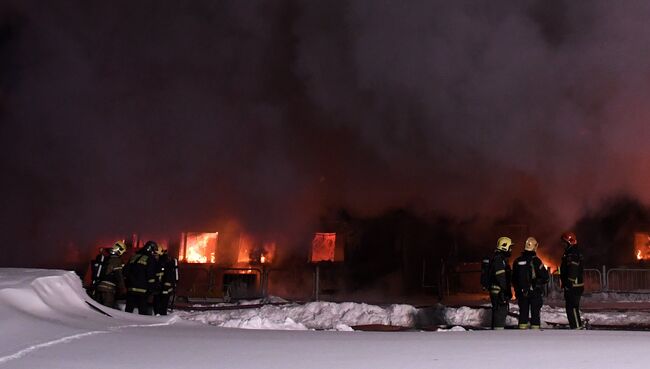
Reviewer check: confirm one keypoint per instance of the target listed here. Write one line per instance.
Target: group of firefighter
(148, 279)
(528, 277)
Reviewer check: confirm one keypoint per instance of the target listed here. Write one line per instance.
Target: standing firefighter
(140, 275)
(97, 270)
(168, 277)
(498, 282)
(571, 276)
(111, 280)
(528, 279)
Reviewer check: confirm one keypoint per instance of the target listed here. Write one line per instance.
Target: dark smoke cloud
(160, 117)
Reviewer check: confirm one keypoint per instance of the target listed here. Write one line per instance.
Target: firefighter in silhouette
(529, 276)
(572, 278)
(167, 275)
(140, 273)
(499, 282)
(111, 280)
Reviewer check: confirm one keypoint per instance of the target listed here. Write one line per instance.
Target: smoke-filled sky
(154, 116)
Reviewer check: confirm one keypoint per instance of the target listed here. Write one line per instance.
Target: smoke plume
(160, 117)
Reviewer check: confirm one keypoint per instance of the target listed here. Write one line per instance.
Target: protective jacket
(112, 278)
(167, 273)
(528, 273)
(572, 269)
(500, 277)
(140, 273)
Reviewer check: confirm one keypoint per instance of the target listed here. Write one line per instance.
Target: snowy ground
(46, 322)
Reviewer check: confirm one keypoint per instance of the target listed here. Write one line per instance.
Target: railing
(623, 279)
(595, 280)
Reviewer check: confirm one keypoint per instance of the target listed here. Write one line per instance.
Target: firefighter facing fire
(167, 276)
(140, 273)
(571, 276)
(499, 274)
(110, 280)
(528, 279)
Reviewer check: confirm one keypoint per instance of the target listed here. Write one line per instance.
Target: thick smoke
(160, 117)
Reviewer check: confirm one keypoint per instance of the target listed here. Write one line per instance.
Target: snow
(46, 322)
(313, 315)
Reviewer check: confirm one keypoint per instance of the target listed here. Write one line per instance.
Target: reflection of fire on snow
(199, 248)
(642, 245)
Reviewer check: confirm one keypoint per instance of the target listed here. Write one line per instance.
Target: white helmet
(531, 244)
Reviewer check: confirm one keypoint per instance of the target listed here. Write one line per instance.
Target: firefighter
(167, 278)
(111, 280)
(97, 268)
(140, 273)
(529, 275)
(572, 279)
(499, 281)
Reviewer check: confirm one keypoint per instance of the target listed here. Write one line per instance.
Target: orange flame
(548, 263)
(251, 252)
(642, 245)
(200, 246)
(323, 247)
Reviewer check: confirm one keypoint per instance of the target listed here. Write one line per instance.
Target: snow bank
(313, 315)
(44, 307)
(45, 322)
(342, 316)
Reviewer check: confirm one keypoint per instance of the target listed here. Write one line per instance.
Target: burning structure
(218, 264)
(642, 245)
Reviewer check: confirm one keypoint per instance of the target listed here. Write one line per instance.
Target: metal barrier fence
(623, 279)
(593, 279)
(596, 280)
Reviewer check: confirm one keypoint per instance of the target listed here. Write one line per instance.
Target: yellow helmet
(531, 244)
(118, 248)
(504, 244)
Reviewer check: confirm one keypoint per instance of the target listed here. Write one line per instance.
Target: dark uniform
(500, 290)
(140, 273)
(167, 277)
(572, 278)
(529, 278)
(111, 281)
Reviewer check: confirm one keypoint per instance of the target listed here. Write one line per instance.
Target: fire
(268, 251)
(323, 247)
(200, 247)
(547, 263)
(642, 245)
(250, 251)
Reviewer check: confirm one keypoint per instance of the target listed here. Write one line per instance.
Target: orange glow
(245, 248)
(251, 252)
(268, 252)
(199, 248)
(547, 262)
(642, 245)
(323, 247)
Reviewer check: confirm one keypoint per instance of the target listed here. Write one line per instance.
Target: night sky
(150, 116)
